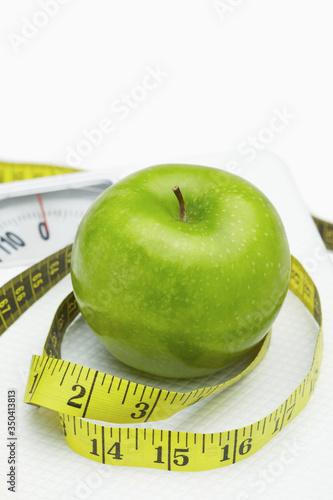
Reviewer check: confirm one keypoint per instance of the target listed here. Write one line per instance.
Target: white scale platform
(296, 464)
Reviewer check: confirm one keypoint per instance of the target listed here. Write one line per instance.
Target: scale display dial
(36, 221)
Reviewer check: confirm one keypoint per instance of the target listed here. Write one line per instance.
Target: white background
(227, 67)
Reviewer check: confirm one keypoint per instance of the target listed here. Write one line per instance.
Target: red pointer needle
(43, 212)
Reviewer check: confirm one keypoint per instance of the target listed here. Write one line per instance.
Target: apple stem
(182, 210)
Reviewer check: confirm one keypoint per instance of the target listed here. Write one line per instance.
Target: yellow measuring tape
(22, 171)
(79, 393)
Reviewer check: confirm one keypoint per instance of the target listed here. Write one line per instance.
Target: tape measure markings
(19, 294)
(132, 391)
(95, 395)
(326, 231)
(119, 400)
(121, 390)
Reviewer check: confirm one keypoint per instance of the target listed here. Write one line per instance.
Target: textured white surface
(297, 463)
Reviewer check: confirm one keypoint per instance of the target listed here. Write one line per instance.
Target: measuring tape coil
(81, 394)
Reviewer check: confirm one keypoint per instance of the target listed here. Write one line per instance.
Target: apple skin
(180, 298)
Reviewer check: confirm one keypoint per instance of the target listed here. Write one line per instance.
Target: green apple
(180, 282)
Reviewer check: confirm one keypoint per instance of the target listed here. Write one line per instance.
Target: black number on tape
(159, 455)
(245, 446)
(116, 453)
(143, 410)
(78, 396)
(180, 459)
(94, 447)
(34, 383)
